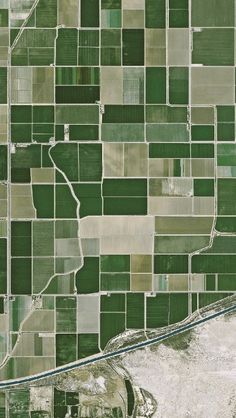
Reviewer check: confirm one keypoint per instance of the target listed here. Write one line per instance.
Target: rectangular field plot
(111, 324)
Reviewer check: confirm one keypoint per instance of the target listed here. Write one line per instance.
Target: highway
(106, 356)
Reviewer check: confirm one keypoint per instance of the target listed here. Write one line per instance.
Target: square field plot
(213, 47)
(212, 85)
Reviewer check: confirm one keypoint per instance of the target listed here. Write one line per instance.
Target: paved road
(99, 357)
